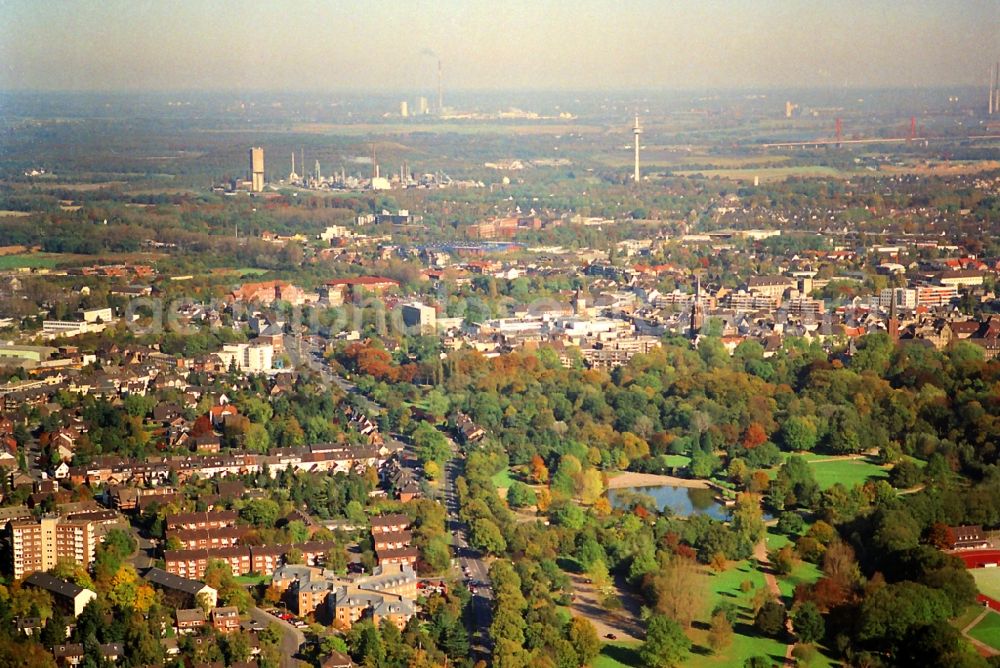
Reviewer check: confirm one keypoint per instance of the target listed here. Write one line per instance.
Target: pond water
(682, 501)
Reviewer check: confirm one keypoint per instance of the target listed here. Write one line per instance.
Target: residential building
(72, 597)
(226, 619)
(180, 591)
(420, 317)
(202, 520)
(772, 286)
(190, 619)
(36, 545)
(256, 357)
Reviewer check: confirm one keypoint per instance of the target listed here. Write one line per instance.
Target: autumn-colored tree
(720, 633)
(543, 499)
(539, 472)
(679, 588)
(602, 507)
(828, 593)
(202, 426)
(759, 482)
(783, 560)
(941, 536)
(754, 436)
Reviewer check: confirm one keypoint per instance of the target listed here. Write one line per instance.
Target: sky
(380, 45)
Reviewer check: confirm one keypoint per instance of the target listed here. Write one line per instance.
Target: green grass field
(988, 630)
(678, 461)
(503, 479)
(726, 586)
(764, 173)
(618, 655)
(848, 472)
(987, 581)
(27, 260)
(804, 572)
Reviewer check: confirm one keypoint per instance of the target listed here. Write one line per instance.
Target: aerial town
(565, 379)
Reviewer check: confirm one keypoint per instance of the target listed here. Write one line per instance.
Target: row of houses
(317, 458)
(392, 538)
(243, 560)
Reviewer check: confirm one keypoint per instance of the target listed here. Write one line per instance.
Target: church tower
(579, 303)
(697, 316)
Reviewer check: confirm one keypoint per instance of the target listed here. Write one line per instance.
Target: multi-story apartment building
(772, 286)
(193, 539)
(36, 545)
(387, 593)
(242, 559)
(202, 520)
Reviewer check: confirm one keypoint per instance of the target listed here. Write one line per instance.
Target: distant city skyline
(555, 45)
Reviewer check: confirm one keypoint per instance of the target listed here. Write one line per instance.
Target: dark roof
(160, 577)
(76, 649)
(190, 615)
(337, 660)
(54, 585)
(968, 532)
(390, 520)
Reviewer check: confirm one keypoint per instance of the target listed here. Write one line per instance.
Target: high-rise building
(256, 169)
(404, 109)
(36, 545)
(422, 107)
(421, 317)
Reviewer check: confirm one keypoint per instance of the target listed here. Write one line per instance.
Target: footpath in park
(760, 553)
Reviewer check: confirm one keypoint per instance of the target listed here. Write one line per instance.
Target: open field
(949, 168)
(666, 158)
(29, 261)
(848, 472)
(988, 630)
(765, 174)
(240, 271)
(987, 581)
(87, 187)
(7, 213)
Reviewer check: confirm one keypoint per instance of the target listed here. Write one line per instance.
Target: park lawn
(502, 479)
(677, 461)
(803, 571)
(252, 579)
(988, 630)
(776, 540)
(618, 655)
(987, 581)
(746, 643)
(848, 472)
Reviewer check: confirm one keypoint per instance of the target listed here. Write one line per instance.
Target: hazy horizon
(563, 46)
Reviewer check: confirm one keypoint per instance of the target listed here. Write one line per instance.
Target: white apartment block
(248, 357)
